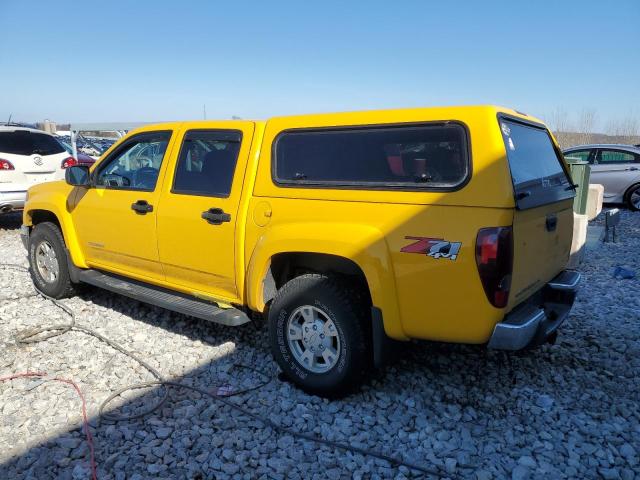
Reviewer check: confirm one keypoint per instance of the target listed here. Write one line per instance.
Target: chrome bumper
(534, 321)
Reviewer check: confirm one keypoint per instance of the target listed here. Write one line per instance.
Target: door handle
(142, 207)
(216, 216)
(633, 169)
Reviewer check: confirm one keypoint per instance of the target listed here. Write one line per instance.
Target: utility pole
(204, 110)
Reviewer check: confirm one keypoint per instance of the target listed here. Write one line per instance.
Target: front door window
(136, 164)
(582, 155)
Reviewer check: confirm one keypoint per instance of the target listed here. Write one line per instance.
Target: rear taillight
(69, 162)
(494, 257)
(6, 165)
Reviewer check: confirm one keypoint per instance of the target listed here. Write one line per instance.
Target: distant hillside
(570, 139)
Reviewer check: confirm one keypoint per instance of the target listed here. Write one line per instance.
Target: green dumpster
(580, 172)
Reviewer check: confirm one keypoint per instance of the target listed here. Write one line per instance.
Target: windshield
(536, 169)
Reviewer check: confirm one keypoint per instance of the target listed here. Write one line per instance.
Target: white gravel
(569, 410)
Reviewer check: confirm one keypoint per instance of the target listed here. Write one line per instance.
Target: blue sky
(156, 60)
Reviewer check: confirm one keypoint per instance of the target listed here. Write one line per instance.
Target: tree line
(580, 128)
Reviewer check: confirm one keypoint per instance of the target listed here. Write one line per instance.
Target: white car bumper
(12, 200)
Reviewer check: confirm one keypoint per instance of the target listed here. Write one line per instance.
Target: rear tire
(317, 334)
(632, 198)
(48, 261)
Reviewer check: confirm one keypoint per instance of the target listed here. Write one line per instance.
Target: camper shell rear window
(538, 174)
(432, 156)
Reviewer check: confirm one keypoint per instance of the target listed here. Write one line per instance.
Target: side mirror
(78, 176)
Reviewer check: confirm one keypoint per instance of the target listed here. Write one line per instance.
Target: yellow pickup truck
(344, 231)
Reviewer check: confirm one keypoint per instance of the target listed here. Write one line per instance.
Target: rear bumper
(12, 200)
(537, 319)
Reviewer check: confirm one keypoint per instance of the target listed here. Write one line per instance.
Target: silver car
(617, 167)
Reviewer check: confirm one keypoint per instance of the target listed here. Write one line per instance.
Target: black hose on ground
(36, 335)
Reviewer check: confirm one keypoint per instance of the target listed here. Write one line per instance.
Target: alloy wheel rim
(47, 262)
(635, 198)
(313, 339)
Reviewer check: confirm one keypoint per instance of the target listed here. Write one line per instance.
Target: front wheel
(317, 334)
(48, 261)
(632, 198)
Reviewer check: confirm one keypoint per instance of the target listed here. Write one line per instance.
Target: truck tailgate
(541, 246)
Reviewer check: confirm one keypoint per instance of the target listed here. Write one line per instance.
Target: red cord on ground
(85, 420)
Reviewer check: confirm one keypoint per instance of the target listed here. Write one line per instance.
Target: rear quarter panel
(420, 296)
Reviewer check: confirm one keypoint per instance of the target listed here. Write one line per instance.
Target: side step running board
(161, 297)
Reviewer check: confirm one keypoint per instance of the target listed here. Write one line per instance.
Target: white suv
(28, 157)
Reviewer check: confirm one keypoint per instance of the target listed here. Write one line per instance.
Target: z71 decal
(433, 247)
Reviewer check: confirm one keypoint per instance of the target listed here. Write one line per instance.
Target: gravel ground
(569, 410)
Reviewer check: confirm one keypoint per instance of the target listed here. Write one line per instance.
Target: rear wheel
(317, 334)
(632, 197)
(48, 261)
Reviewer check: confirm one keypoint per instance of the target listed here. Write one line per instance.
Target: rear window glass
(536, 169)
(23, 142)
(416, 156)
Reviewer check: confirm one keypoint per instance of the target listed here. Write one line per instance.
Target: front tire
(48, 261)
(632, 198)
(317, 334)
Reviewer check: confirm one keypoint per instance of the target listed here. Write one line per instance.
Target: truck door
(115, 219)
(198, 211)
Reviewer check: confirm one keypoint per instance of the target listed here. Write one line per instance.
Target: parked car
(27, 157)
(343, 230)
(83, 159)
(93, 147)
(617, 167)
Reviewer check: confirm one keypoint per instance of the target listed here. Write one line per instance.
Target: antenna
(9, 122)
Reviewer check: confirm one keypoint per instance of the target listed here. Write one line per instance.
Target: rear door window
(537, 172)
(24, 142)
(432, 156)
(207, 162)
(615, 156)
